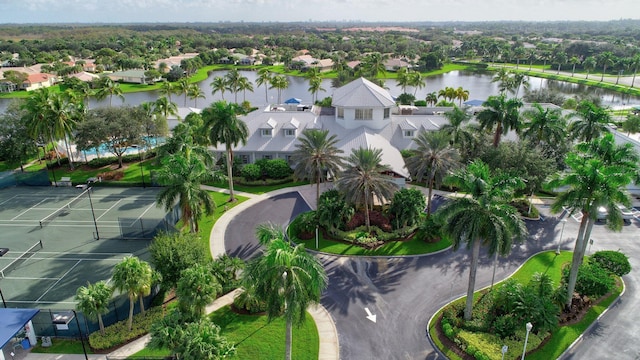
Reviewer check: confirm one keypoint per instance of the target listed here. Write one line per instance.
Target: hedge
(118, 334)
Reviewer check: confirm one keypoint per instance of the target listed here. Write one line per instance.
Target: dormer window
(387, 113)
(266, 132)
(290, 132)
(407, 133)
(340, 112)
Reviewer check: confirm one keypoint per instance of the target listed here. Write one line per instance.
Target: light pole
(62, 320)
(80, 331)
(564, 222)
(93, 213)
(526, 339)
(504, 350)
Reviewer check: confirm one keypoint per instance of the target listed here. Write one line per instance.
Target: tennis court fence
(21, 259)
(17, 178)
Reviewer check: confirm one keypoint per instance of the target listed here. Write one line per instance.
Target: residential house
(135, 76)
(37, 81)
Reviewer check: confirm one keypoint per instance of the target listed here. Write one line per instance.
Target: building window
(290, 132)
(244, 159)
(266, 157)
(265, 132)
(364, 114)
(341, 112)
(289, 159)
(387, 111)
(408, 133)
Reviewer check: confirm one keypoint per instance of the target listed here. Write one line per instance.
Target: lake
(479, 85)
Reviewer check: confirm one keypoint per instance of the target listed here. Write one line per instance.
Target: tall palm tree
(364, 179)
(593, 180)
(589, 64)
(164, 107)
(591, 123)
(195, 93)
(93, 301)
(459, 133)
(182, 175)
(402, 78)
(502, 114)
(264, 79)
(416, 80)
(108, 87)
(606, 59)
(316, 157)
(373, 64)
(279, 82)
(233, 80)
(547, 126)
(315, 86)
(433, 159)
(635, 62)
(182, 87)
(224, 127)
(197, 288)
(288, 279)
(219, 84)
(166, 89)
(244, 85)
(574, 61)
(432, 98)
(462, 95)
(560, 58)
(484, 218)
(134, 277)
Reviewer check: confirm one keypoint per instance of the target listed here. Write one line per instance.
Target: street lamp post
(526, 339)
(504, 350)
(564, 222)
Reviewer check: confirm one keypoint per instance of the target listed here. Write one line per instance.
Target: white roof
(362, 93)
(367, 138)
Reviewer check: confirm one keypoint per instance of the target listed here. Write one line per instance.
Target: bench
(65, 181)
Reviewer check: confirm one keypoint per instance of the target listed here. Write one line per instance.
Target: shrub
(307, 222)
(251, 172)
(420, 103)
(406, 207)
(333, 211)
(430, 229)
(613, 261)
(593, 280)
(277, 169)
(112, 175)
(505, 325)
(118, 333)
(101, 162)
(248, 301)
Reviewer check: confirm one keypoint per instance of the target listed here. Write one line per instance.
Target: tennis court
(60, 238)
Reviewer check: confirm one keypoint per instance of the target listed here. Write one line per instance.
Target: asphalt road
(403, 293)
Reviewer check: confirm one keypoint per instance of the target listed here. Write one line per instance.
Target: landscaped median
(476, 339)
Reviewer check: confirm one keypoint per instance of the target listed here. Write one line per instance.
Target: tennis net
(67, 207)
(20, 259)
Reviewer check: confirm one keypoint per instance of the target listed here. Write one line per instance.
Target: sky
(185, 11)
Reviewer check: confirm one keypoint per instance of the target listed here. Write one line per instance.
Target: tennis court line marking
(141, 215)
(69, 259)
(109, 209)
(56, 283)
(31, 208)
(9, 199)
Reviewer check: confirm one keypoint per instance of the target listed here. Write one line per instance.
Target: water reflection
(479, 85)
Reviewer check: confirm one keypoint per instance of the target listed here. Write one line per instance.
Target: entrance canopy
(293, 101)
(13, 320)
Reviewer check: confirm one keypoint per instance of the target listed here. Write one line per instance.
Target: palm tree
(459, 134)
(244, 85)
(166, 89)
(233, 80)
(364, 179)
(432, 98)
(483, 218)
(93, 301)
(182, 175)
(402, 78)
(560, 59)
(547, 126)
(197, 288)
(219, 84)
(316, 157)
(195, 93)
(373, 64)
(108, 87)
(164, 107)
(589, 64)
(574, 61)
(416, 81)
(606, 59)
(503, 78)
(502, 113)
(64, 117)
(461, 95)
(223, 126)
(635, 62)
(264, 78)
(591, 123)
(315, 86)
(182, 87)
(433, 159)
(288, 279)
(134, 277)
(279, 82)
(598, 174)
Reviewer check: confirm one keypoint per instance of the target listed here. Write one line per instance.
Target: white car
(627, 214)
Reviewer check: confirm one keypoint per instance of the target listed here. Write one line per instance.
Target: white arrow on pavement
(370, 316)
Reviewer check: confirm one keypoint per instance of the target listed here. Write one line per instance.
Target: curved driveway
(403, 293)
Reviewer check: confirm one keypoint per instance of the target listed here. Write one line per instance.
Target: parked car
(627, 214)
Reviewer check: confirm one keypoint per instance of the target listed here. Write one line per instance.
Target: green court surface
(61, 238)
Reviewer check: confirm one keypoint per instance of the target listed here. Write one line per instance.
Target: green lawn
(560, 340)
(256, 338)
(393, 248)
(206, 224)
(62, 346)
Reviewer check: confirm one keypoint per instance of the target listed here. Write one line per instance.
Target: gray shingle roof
(362, 93)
